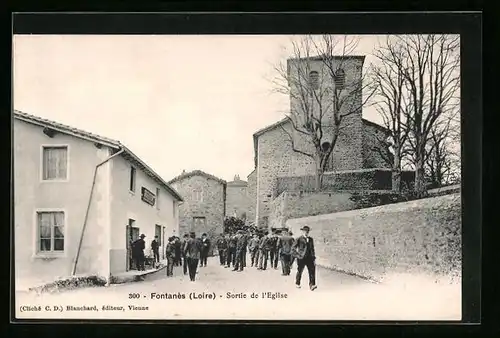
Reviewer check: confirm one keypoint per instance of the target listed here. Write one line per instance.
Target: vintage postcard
(249, 177)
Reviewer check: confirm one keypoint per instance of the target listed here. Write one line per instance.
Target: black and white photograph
(237, 176)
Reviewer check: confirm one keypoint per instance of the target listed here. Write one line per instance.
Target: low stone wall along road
(219, 294)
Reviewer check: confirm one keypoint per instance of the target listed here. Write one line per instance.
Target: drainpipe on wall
(73, 271)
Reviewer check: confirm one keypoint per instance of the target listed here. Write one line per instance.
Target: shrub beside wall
(363, 179)
(420, 236)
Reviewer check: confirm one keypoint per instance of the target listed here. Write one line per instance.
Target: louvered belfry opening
(339, 78)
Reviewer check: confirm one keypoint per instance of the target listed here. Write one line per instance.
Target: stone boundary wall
(293, 204)
(420, 236)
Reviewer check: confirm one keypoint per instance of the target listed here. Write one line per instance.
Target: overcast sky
(178, 102)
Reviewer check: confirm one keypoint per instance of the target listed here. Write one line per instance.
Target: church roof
(286, 120)
(186, 175)
(322, 57)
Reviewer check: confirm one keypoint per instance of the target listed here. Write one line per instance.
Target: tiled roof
(195, 173)
(323, 57)
(238, 183)
(65, 129)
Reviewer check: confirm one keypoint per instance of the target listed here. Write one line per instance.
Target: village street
(338, 297)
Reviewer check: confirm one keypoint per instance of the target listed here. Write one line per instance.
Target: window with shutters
(55, 163)
(50, 232)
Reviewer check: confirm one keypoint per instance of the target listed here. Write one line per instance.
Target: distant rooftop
(185, 175)
(237, 182)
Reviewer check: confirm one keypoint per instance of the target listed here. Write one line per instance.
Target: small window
(199, 223)
(339, 79)
(158, 198)
(50, 232)
(314, 79)
(132, 179)
(198, 195)
(173, 209)
(55, 163)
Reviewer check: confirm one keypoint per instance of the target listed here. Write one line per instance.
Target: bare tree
(392, 105)
(441, 160)
(322, 97)
(430, 68)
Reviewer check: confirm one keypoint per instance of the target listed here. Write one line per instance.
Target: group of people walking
(272, 247)
(194, 252)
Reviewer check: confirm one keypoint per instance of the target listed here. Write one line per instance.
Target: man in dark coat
(222, 249)
(138, 252)
(192, 251)
(303, 250)
(263, 251)
(240, 246)
(285, 245)
(184, 260)
(178, 251)
(273, 250)
(170, 254)
(205, 247)
(253, 247)
(231, 252)
(155, 247)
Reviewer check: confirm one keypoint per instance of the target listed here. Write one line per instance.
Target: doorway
(132, 234)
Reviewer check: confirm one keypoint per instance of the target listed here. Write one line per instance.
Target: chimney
(236, 177)
(183, 171)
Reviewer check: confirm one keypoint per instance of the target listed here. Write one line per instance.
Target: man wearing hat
(192, 250)
(285, 248)
(263, 251)
(231, 251)
(205, 247)
(184, 260)
(240, 246)
(138, 252)
(222, 249)
(170, 254)
(303, 250)
(155, 247)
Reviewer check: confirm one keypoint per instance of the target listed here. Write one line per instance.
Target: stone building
(252, 195)
(204, 207)
(275, 158)
(238, 200)
(79, 198)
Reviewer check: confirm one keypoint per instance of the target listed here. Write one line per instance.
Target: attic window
(49, 132)
(339, 78)
(314, 80)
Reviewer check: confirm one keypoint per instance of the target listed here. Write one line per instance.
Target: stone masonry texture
(211, 205)
(237, 199)
(275, 157)
(421, 236)
(252, 196)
